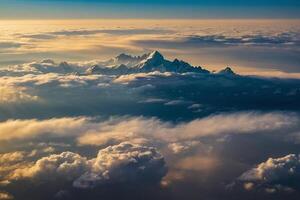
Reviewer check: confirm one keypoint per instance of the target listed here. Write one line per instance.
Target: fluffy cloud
(9, 162)
(123, 163)
(275, 174)
(18, 160)
(66, 165)
(8, 158)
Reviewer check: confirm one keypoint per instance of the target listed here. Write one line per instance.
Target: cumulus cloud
(273, 175)
(8, 158)
(9, 162)
(66, 165)
(124, 163)
(17, 160)
(274, 169)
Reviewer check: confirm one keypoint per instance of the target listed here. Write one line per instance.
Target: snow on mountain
(155, 61)
(120, 65)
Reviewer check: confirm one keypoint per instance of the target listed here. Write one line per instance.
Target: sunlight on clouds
(122, 163)
(5, 196)
(9, 94)
(197, 163)
(25, 129)
(136, 129)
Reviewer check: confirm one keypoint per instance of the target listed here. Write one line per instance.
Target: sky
(21, 9)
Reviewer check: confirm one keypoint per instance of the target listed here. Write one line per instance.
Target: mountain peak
(156, 55)
(122, 56)
(150, 62)
(227, 70)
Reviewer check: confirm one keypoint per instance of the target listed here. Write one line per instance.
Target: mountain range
(120, 65)
(154, 61)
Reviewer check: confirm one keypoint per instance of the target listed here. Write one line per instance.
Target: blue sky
(149, 9)
(199, 2)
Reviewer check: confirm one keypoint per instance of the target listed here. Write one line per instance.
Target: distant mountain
(227, 71)
(120, 65)
(155, 61)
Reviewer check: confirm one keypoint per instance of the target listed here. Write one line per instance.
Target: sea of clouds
(68, 134)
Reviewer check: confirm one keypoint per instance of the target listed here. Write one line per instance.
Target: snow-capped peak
(227, 71)
(155, 55)
(124, 57)
(154, 61)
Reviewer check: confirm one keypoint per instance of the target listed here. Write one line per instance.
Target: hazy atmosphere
(171, 100)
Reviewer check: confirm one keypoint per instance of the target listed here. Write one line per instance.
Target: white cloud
(66, 165)
(122, 163)
(9, 158)
(274, 169)
(275, 174)
(125, 79)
